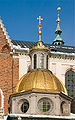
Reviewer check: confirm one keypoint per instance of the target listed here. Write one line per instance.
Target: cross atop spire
(39, 19)
(39, 26)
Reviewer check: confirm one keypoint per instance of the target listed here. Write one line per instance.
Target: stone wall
(60, 64)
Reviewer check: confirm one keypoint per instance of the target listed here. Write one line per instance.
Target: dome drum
(40, 103)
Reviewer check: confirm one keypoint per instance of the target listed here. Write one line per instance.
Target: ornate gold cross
(39, 19)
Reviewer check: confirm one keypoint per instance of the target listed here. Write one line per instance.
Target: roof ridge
(23, 41)
(56, 46)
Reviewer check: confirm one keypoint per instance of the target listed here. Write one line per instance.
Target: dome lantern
(39, 53)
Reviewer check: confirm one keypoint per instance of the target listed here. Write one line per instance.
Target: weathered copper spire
(58, 30)
(58, 40)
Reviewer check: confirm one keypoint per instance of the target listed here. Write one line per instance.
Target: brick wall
(9, 70)
(9, 75)
(0, 100)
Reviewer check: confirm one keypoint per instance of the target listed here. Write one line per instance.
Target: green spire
(58, 40)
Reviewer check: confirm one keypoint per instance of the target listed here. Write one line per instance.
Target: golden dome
(40, 80)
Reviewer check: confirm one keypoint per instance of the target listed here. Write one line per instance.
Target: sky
(20, 19)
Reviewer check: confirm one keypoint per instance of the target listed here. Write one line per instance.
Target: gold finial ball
(58, 15)
(39, 25)
(40, 32)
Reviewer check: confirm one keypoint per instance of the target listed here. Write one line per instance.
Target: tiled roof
(27, 44)
(24, 44)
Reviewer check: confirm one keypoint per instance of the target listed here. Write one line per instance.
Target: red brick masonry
(9, 70)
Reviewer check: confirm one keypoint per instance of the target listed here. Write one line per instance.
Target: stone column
(32, 62)
(38, 60)
(45, 61)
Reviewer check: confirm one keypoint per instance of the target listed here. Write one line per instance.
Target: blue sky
(20, 19)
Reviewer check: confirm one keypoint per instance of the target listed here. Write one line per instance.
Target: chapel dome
(40, 80)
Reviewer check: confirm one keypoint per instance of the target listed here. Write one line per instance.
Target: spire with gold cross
(58, 40)
(40, 44)
(39, 26)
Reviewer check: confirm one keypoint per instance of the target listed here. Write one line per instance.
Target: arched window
(64, 107)
(70, 82)
(70, 86)
(58, 43)
(47, 62)
(35, 61)
(41, 60)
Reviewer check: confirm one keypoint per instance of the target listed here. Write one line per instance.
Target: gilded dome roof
(40, 80)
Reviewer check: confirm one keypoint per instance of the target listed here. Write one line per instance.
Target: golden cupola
(40, 80)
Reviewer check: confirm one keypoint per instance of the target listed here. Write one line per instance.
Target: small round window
(44, 105)
(25, 106)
